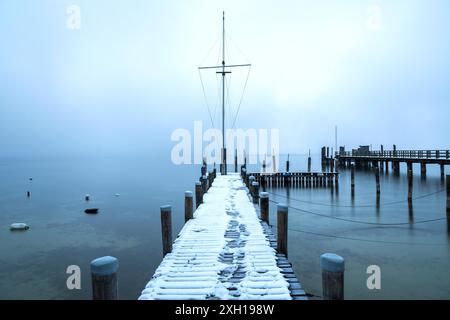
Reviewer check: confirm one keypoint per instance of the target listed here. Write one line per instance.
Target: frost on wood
(222, 253)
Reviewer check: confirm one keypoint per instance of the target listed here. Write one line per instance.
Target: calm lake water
(414, 258)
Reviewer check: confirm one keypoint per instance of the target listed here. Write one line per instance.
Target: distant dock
(225, 252)
(362, 157)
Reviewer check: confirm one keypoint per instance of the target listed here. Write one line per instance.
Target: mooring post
(282, 229)
(188, 206)
(204, 183)
(166, 228)
(353, 179)
(309, 164)
(410, 185)
(287, 164)
(442, 171)
(255, 188)
(104, 278)
(198, 194)
(264, 206)
(251, 179)
(333, 267)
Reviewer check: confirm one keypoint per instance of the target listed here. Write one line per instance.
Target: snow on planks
(225, 252)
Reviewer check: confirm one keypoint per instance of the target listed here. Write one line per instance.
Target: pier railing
(409, 154)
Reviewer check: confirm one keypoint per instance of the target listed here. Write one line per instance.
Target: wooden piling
(188, 206)
(309, 164)
(255, 191)
(166, 228)
(235, 161)
(353, 179)
(448, 202)
(104, 278)
(204, 182)
(282, 229)
(251, 179)
(287, 164)
(333, 267)
(410, 185)
(442, 171)
(198, 194)
(423, 169)
(264, 206)
(377, 181)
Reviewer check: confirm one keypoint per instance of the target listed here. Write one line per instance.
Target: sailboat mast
(223, 163)
(223, 82)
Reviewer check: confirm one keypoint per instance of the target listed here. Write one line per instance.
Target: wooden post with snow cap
(251, 179)
(204, 182)
(166, 228)
(198, 194)
(104, 278)
(188, 206)
(264, 206)
(333, 267)
(255, 189)
(282, 229)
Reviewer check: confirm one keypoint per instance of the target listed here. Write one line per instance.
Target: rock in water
(91, 210)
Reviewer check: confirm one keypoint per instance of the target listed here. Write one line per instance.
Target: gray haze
(122, 83)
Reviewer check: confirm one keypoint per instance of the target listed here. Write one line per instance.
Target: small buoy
(117, 195)
(91, 211)
(19, 226)
(31, 179)
(87, 197)
(28, 194)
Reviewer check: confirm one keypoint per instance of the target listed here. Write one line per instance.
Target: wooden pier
(225, 252)
(381, 158)
(295, 179)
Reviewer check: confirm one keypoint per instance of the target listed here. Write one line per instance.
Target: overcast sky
(379, 70)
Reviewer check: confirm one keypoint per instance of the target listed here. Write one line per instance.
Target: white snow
(194, 269)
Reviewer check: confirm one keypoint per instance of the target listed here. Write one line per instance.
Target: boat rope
(367, 240)
(357, 206)
(359, 221)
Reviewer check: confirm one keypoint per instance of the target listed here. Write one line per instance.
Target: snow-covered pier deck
(224, 252)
